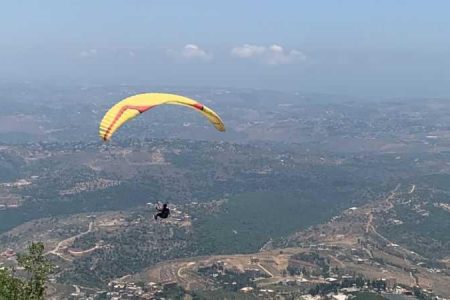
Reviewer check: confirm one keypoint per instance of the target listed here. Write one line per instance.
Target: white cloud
(191, 52)
(88, 53)
(272, 55)
(194, 51)
(247, 51)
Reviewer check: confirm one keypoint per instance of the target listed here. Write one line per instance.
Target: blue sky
(362, 47)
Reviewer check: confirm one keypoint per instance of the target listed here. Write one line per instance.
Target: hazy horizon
(369, 48)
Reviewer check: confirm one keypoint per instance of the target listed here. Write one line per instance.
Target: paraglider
(163, 212)
(131, 107)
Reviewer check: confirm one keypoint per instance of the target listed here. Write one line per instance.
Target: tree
(32, 285)
(10, 287)
(359, 282)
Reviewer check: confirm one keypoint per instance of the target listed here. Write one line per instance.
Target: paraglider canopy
(130, 107)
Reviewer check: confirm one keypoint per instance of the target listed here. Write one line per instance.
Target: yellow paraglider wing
(132, 106)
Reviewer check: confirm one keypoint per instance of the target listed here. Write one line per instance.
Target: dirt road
(68, 242)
